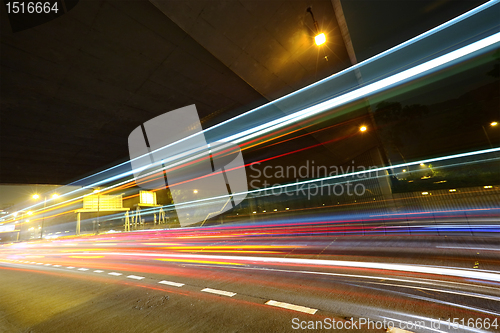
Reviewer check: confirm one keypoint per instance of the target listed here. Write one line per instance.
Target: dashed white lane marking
(170, 283)
(70, 267)
(218, 292)
(39, 263)
(135, 277)
(115, 274)
(56, 266)
(83, 269)
(292, 307)
(98, 271)
(48, 265)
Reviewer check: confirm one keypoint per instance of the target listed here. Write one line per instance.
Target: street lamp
(363, 129)
(492, 124)
(320, 37)
(36, 196)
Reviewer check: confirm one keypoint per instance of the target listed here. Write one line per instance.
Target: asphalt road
(229, 280)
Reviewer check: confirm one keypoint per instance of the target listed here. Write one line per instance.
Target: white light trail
(458, 272)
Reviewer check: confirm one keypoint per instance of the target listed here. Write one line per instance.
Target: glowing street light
(30, 212)
(492, 124)
(36, 196)
(363, 129)
(195, 191)
(320, 39)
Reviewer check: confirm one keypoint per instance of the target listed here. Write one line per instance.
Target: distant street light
(492, 124)
(363, 128)
(36, 196)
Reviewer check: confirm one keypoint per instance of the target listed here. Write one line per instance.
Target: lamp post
(320, 37)
(492, 124)
(36, 196)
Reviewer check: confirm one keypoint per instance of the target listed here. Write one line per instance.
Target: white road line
(56, 266)
(219, 292)
(70, 267)
(292, 307)
(83, 269)
(170, 283)
(98, 271)
(115, 274)
(48, 265)
(135, 277)
(467, 248)
(39, 263)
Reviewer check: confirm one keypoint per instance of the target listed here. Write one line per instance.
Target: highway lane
(375, 277)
